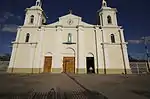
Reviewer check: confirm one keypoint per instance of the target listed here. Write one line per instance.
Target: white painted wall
(48, 40)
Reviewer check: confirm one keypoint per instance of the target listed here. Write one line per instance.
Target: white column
(106, 56)
(124, 51)
(96, 50)
(32, 56)
(126, 57)
(80, 43)
(13, 57)
(39, 19)
(18, 34)
(14, 50)
(41, 47)
(39, 55)
(105, 51)
(58, 48)
(122, 35)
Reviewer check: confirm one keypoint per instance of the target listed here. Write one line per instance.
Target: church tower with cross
(35, 15)
(113, 36)
(69, 45)
(107, 15)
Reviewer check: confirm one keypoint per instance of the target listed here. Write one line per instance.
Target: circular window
(70, 21)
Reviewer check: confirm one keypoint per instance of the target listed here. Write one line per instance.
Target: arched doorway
(90, 63)
(69, 60)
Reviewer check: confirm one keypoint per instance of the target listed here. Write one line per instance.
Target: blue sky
(133, 15)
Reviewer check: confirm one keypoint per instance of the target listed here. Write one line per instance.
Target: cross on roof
(70, 11)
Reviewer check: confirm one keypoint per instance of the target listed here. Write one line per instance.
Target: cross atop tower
(104, 3)
(38, 3)
(70, 11)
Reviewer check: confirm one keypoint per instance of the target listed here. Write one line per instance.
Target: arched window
(104, 4)
(69, 37)
(109, 20)
(112, 38)
(27, 37)
(37, 3)
(42, 21)
(32, 19)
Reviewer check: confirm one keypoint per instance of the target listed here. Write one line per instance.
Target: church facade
(69, 45)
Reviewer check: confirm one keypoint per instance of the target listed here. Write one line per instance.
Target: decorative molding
(80, 29)
(69, 43)
(96, 27)
(30, 26)
(25, 43)
(105, 43)
(108, 9)
(47, 26)
(111, 27)
(80, 26)
(33, 9)
(59, 28)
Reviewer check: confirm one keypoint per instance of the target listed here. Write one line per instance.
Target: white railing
(139, 67)
(4, 65)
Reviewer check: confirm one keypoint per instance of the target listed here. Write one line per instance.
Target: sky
(133, 15)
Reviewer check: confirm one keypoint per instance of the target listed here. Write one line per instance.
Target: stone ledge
(24, 70)
(59, 70)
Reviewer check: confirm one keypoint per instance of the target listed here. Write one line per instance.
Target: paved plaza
(83, 86)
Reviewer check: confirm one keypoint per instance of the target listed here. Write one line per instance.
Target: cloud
(142, 40)
(9, 28)
(8, 15)
(7, 23)
(19, 17)
(147, 38)
(135, 41)
(2, 20)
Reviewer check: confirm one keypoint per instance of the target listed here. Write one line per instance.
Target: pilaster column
(14, 51)
(124, 52)
(39, 19)
(13, 58)
(32, 55)
(105, 52)
(58, 58)
(39, 54)
(80, 50)
(96, 28)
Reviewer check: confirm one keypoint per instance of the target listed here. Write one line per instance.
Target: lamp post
(146, 40)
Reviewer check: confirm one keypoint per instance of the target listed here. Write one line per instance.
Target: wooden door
(69, 64)
(48, 64)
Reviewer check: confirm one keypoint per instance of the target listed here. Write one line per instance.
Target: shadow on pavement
(142, 93)
(90, 94)
(52, 94)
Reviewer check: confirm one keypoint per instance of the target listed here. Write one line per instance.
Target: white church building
(69, 45)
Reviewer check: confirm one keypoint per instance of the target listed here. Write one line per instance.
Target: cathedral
(69, 45)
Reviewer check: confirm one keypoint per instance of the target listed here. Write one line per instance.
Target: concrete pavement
(104, 86)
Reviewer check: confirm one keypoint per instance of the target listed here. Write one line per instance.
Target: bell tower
(104, 3)
(107, 15)
(35, 15)
(38, 3)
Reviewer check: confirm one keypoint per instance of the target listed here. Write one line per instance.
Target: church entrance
(69, 64)
(47, 64)
(90, 65)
